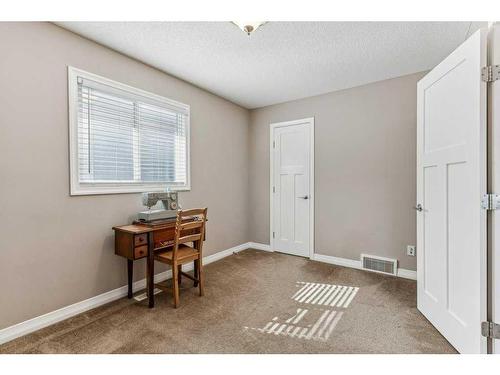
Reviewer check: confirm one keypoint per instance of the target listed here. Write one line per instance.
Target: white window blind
(127, 139)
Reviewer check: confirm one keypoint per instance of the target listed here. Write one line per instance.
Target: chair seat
(184, 254)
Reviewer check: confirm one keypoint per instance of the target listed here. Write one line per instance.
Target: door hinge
(490, 330)
(490, 202)
(490, 73)
(274, 144)
(273, 234)
(274, 189)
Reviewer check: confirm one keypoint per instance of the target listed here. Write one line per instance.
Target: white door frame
(494, 183)
(310, 122)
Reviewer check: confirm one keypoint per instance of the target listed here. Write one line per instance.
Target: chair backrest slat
(194, 212)
(191, 225)
(189, 238)
(194, 227)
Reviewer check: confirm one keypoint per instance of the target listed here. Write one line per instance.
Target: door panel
(291, 177)
(432, 252)
(442, 109)
(451, 178)
(458, 243)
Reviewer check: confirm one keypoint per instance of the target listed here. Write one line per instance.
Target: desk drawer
(140, 239)
(140, 252)
(163, 238)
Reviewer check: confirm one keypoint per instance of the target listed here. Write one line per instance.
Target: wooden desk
(140, 240)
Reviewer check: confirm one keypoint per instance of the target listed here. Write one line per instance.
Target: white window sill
(92, 189)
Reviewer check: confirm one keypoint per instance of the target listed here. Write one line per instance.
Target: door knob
(419, 207)
(304, 197)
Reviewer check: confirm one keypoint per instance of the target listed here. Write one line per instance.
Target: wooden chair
(181, 253)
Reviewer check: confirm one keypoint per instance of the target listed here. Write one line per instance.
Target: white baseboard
(28, 326)
(259, 246)
(407, 274)
(352, 263)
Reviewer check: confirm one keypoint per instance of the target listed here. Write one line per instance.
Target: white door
(451, 179)
(291, 187)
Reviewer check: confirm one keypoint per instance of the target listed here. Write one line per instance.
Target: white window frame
(90, 188)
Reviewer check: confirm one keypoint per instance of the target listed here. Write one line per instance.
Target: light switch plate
(411, 250)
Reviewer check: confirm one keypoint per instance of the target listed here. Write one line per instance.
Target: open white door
(292, 186)
(451, 179)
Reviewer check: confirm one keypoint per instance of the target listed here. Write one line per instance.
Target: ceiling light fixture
(249, 27)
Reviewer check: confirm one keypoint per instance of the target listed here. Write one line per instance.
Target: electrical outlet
(411, 250)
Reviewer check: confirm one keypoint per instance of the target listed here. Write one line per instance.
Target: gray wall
(365, 168)
(56, 250)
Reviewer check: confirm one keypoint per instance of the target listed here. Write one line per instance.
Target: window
(124, 139)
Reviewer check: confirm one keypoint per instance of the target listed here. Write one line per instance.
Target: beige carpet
(256, 302)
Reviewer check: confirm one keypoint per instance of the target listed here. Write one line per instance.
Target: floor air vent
(379, 264)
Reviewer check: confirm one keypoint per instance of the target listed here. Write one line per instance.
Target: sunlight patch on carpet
(315, 319)
(325, 294)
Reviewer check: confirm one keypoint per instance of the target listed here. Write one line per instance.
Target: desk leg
(130, 275)
(151, 271)
(196, 273)
(195, 266)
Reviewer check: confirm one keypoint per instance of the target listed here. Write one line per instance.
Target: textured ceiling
(281, 61)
